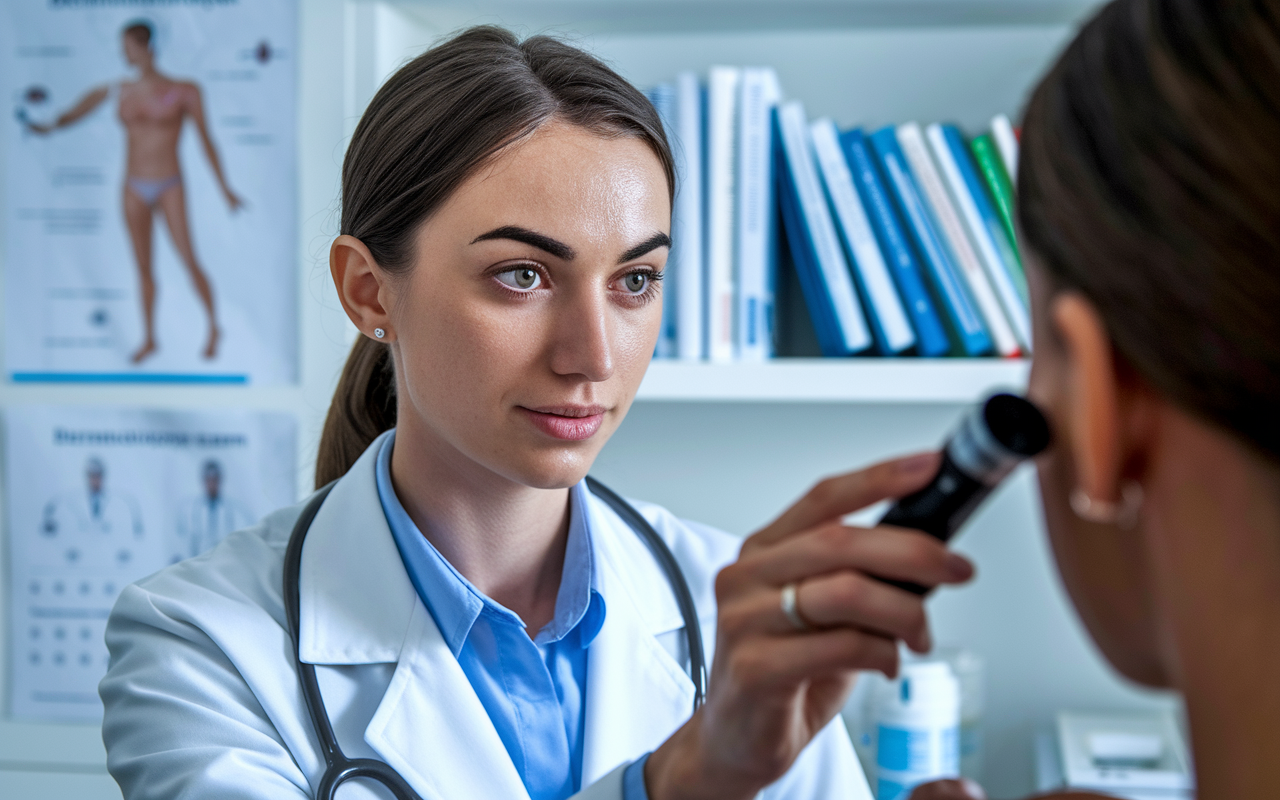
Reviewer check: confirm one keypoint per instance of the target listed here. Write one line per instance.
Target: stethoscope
(338, 767)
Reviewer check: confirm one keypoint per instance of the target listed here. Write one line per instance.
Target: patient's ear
(361, 285)
(1094, 405)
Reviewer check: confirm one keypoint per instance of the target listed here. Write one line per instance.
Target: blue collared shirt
(534, 689)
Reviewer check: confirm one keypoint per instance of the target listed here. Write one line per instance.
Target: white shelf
(632, 16)
(817, 380)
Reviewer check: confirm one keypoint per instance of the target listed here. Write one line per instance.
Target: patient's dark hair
(430, 127)
(1150, 182)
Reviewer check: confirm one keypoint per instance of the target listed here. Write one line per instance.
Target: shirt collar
(455, 603)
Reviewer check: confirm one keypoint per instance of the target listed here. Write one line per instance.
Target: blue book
(883, 307)
(931, 336)
(961, 316)
(684, 288)
(985, 227)
(815, 245)
(663, 98)
(756, 238)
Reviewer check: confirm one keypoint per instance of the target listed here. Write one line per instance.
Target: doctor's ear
(363, 287)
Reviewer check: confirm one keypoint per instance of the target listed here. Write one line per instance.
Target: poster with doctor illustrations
(98, 498)
(150, 190)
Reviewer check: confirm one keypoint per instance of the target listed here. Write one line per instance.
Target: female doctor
(479, 621)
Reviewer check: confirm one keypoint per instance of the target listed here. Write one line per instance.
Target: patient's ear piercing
(1123, 514)
(379, 333)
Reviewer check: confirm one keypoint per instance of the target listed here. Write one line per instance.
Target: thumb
(956, 789)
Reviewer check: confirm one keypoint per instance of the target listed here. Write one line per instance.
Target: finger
(838, 600)
(835, 497)
(955, 789)
(768, 663)
(851, 599)
(885, 551)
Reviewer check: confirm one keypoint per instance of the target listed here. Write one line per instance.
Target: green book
(1001, 189)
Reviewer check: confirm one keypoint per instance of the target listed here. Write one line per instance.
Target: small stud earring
(379, 333)
(1123, 514)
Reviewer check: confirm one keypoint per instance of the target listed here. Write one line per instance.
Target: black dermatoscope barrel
(990, 441)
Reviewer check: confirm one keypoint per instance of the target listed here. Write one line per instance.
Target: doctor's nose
(582, 337)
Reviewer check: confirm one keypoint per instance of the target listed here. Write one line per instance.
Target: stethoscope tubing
(338, 767)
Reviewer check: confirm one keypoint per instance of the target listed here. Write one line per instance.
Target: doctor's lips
(568, 422)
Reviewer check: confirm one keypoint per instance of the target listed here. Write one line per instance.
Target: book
(964, 323)
(911, 140)
(889, 326)
(663, 98)
(757, 261)
(1006, 142)
(1000, 190)
(815, 247)
(931, 336)
(981, 223)
(686, 269)
(723, 89)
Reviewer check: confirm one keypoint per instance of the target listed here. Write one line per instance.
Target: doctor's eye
(522, 279)
(639, 282)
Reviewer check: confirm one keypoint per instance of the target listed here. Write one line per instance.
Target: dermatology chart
(97, 498)
(151, 172)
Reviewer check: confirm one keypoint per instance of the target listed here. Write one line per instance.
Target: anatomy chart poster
(98, 498)
(150, 190)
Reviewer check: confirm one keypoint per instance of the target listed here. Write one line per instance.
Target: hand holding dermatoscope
(991, 439)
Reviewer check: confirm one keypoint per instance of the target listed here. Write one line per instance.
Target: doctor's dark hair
(430, 127)
(1150, 182)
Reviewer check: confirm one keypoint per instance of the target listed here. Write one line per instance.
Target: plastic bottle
(917, 729)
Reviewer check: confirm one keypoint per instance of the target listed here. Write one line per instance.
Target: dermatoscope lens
(1016, 424)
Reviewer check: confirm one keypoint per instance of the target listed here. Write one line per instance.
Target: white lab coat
(202, 699)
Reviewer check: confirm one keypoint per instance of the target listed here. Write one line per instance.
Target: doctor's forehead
(570, 183)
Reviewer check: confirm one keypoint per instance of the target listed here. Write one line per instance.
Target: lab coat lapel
(358, 606)
(356, 599)
(432, 728)
(637, 694)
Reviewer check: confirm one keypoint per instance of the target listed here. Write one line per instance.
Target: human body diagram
(153, 110)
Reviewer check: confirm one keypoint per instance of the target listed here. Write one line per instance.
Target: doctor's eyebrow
(647, 246)
(563, 251)
(541, 241)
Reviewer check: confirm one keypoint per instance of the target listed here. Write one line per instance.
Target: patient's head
(1149, 204)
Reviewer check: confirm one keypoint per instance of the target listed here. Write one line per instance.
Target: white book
(663, 97)
(851, 326)
(1006, 143)
(867, 258)
(984, 244)
(757, 241)
(911, 140)
(686, 262)
(723, 88)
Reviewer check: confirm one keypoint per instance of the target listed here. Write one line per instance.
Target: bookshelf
(819, 380)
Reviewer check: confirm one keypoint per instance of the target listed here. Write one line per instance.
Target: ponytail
(364, 405)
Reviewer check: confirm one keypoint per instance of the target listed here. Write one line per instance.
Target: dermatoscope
(991, 439)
